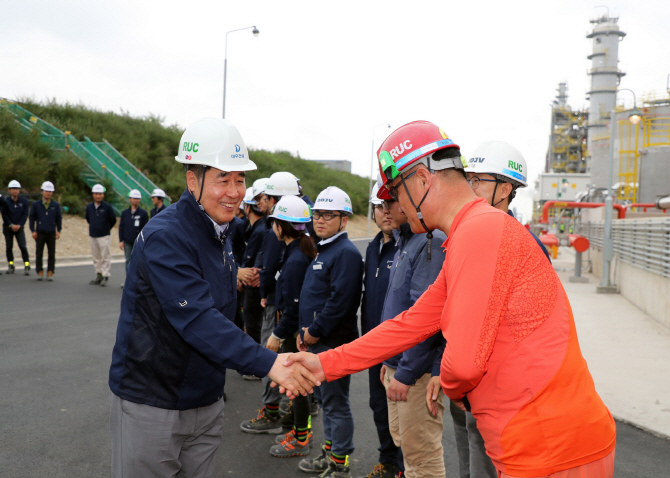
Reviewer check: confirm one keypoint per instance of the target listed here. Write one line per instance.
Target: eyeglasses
(475, 180)
(393, 191)
(328, 216)
(378, 207)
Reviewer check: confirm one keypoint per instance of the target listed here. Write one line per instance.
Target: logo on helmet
(477, 160)
(237, 148)
(191, 147)
(188, 157)
(283, 209)
(401, 148)
(515, 166)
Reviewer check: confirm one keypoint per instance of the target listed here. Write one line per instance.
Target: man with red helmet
(512, 355)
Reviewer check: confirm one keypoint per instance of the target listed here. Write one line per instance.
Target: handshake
(297, 373)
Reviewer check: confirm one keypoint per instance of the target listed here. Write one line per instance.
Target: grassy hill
(148, 144)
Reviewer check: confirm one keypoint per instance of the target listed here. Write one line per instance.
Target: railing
(642, 243)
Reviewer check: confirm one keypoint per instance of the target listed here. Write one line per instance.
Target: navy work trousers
(20, 241)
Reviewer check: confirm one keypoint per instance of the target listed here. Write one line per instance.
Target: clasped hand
(309, 369)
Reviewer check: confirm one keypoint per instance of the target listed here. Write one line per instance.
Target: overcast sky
(320, 76)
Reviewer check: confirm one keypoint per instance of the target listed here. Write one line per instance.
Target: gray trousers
(473, 460)
(150, 442)
(270, 395)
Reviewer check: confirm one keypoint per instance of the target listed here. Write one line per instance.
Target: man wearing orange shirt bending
(512, 355)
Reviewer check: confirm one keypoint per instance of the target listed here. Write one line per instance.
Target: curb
(72, 261)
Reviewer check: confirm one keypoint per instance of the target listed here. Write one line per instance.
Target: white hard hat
(501, 160)
(373, 196)
(157, 193)
(292, 209)
(214, 142)
(258, 187)
(282, 184)
(48, 186)
(135, 194)
(14, 184)
(249, 196)
(98, 188)
(333, 199)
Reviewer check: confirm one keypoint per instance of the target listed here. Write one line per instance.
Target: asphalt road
(55, 348)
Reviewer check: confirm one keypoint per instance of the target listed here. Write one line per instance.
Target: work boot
(336, 470)
(97, 280)
(285, 405)
(10, 269)
(291, 436)
(50, 276)
(104, 281)
(262, 424)
(315, 465)
(27, 270)
(290, 446)
(287, 420)
(382, 470)
(40, 275)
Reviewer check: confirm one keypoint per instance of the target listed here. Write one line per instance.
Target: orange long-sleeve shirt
(511, 348)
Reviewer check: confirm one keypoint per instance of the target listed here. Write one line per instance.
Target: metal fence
(643, 243)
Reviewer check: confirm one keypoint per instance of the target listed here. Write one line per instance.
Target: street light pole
(607, 286)
(372, 169)
(225, 62)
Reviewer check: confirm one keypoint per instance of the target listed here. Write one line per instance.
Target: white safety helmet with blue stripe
(333, 199)
(135, 194)
(374, 200)
(501, 160)
(259, 187)
(282, 183)
(292, 209)
(249, 196)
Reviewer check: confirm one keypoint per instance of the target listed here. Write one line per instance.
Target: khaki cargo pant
(101, 254)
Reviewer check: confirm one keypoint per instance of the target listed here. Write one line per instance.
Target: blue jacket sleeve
(59, 218)
(253, 248)
(190, 308)
(419, 359)
(144, 218)
(346, 278)
(88, 219)
(32, 217)
(111, 216)
(272, 254)
(291, 285)
(24, 216)
(121, 222)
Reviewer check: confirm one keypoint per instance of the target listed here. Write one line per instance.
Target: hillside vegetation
(148, 144)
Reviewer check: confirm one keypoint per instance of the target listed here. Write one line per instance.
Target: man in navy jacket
(46, 222)
(101, 219)
(378, 261)
(176, 335)
(131, 223)
(13, 222)
(329, 303)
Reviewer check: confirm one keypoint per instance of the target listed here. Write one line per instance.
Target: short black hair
(198, 169)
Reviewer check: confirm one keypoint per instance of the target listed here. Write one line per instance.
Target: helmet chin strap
(202, 188)
(493, 198)
(429, 232)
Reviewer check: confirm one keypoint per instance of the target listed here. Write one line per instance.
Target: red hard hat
(411, 143)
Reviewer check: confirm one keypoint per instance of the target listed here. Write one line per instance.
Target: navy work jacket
(176, 336)
(331, 292)
(17, 211)
(411, 275)
(238, 227)
(289, 284)
(131, 224)
(377, 271)
(100, 219)
(43, 219)
(273, 254)
(255, 236)
(157, 209)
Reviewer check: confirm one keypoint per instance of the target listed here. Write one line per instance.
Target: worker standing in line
(101, 219)
(239, 225)
(157, 199)
(13, 223)
(512, 354)
(378, 261)
(415, 430)
(46, 222)
(4, 210)
(175, 336)
(257, 208)
(268, 261)
(329, 303)
(291, 216)
(131, 223)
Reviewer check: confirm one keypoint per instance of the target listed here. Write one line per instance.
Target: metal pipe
(663, 203)
(621, 211)
(578, 243)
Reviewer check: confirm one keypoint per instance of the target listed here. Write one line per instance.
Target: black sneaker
(315, 465)
(10, 269)
(382, 470)
(103, 282)
(290, 446)
(97, 280)
(336, 470)
(262, 424)
(26, 271)
(40, 275)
